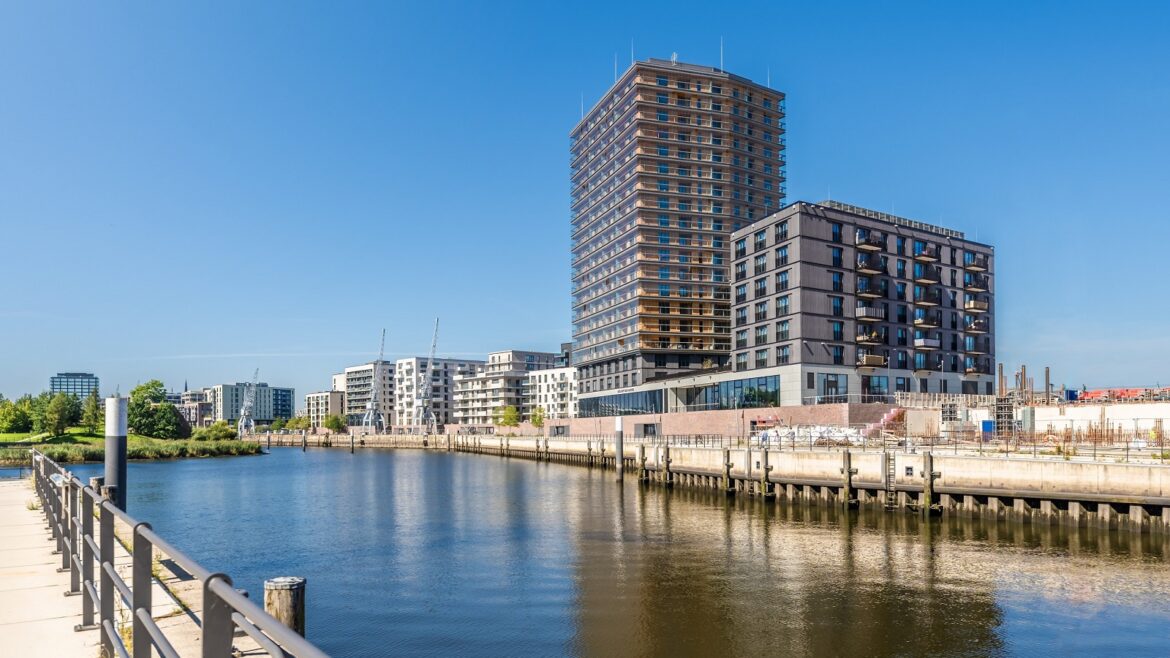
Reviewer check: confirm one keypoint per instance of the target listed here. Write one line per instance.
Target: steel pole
(116, 449)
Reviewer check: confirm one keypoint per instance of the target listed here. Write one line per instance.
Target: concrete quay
(1099, 494)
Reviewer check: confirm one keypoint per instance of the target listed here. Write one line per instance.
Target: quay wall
(1111, 495)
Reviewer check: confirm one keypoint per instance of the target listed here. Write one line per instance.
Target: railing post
(143, 560)
(86, 513)
(75, 539)
(106, 595)
(65, 543)
(218, 627)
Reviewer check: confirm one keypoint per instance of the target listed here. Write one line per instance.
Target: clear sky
(191, 192)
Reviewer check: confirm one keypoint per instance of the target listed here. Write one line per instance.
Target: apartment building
(271, 402)
(77, 384)
(442, 388)
(669, 162)
(482, 393)
(845, 303)
(320, 404)
(357, 382)
(554, 390)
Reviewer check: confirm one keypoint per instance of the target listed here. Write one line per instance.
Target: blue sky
(191, 192)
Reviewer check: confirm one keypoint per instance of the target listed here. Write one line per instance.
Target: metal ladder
(891, 477)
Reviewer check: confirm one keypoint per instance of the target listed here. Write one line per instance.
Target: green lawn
(79, 445)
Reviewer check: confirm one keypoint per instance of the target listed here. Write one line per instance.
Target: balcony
(977, 367)
(976, 262)
(977, 306)
(869, 288)
(927, 274)
(979, 347)
(977, 283)
(870, 263)
(867, 313)
(978, 326)
(871, 361)
(928, 319)
(928, 253)
(927, 363)
(869, 338)
(927, 344)
(868, 240)
(929, 297)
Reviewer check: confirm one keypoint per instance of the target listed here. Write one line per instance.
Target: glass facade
(621, 404)
(746, 393)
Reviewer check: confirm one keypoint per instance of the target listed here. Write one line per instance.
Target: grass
(80, 445)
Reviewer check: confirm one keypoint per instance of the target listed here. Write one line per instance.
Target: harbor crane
(373, 421)
(247, 424)
(424, 412)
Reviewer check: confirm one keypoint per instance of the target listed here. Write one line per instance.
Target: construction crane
(424, 412)
(373, 421)
(247, 424)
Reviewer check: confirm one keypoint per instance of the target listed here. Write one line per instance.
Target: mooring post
(284, 598)
(116, 449)
(667, 477)
(640, 457)
(618, 448)
(847, 473)
(351, 442)
(765, 469)
(928, 476)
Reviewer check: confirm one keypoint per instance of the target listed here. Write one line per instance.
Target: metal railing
(70, 507)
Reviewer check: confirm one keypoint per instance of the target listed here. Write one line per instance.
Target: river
(438, 554)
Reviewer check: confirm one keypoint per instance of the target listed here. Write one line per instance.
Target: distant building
(442, 385)
(197, 414)
(554, 390)
(271, 402)
(79, 384)
(357, 384)
(320, 404)
(482, 393)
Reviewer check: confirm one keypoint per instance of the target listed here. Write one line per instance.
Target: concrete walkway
(36, 618)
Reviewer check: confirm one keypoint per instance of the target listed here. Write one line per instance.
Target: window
(661, 98)
(838, 353)
(741, 339)
(663, 237)
(740, 271)
(835, 256)
(761, 238)
(761, 263)
(761, 288)
(836, 231)
(761, 311)
(761, 334)
(782, 305)
(901, 246)
(661, 81)
(837, 329)
(741, 361)
(663, 290)
(659, 360)
(741, 248)
(782, 256)
(837, 304)
(838, 281)
(761, 358)
(783, 354)
(782, 330)
(741, 316)
(741, 293)
(782, 281)
(901, 269)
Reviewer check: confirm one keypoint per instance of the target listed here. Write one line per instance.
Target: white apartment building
(323, 403)
(442, 387)
(555, 391)
(271, 402)
(357, 384)
(482, 394)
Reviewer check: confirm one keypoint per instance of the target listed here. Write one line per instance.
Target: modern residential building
(197, 414)
(835, 303)
(670, 161)
(337, 382)
(482, 393)
(442, 388)
(320, 404)
(271, 402)
(78, 384)
(553, 390)
(357, 384)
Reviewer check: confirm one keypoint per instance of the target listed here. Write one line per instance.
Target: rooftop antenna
(674, 58)
(631, 51)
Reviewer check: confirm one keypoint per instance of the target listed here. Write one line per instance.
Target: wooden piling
(284, 598)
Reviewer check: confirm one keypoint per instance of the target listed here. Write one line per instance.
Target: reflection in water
(441, 554)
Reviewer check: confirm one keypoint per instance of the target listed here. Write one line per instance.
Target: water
(437, 554)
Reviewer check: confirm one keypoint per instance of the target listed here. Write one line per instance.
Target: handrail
(70, 507)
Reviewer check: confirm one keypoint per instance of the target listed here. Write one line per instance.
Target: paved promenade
(36, 618)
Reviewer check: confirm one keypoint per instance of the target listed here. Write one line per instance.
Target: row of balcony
(872, 338)
(925, 363)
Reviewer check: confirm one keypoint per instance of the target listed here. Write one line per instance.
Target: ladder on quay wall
(891, 478)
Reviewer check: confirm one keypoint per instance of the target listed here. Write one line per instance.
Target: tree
(538, 417)
(58, 413)
(297, 423)
(14, 417)
(92, 413)
(510, 417)
(334, 423)
(277, 425)
(217, 431)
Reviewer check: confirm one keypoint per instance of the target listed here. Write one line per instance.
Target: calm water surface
(437, 554)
